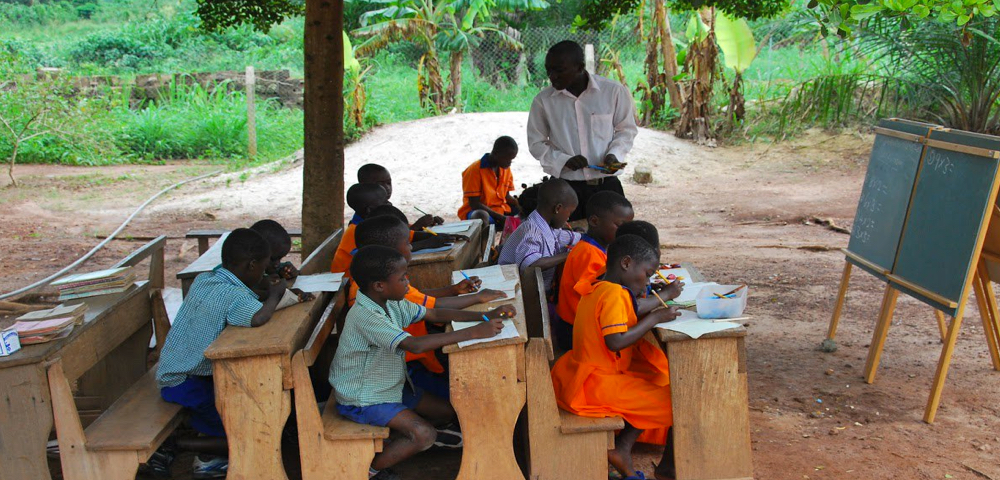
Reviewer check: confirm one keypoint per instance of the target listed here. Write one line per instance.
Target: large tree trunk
(323, 170)
(669, 54)
(454, 95)
(695, 121)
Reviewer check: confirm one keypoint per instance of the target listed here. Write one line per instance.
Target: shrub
(110, 49)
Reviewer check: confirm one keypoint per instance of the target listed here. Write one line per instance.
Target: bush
(109, 49)
(86, 11)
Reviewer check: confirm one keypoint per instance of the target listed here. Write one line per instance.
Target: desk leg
(254, 407)
(488, 396)
(708, 389)
(25, 423)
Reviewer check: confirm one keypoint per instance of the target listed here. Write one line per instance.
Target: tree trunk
(13, 160)
(323, 167)
(695, 121)
(669, 54)
(454, 95)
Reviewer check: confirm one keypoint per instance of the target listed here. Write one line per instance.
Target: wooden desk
(433, 270)
(205, 263)
(105, 356)
(708, 388)
(488, 393)
(253, 382)
(203, 235)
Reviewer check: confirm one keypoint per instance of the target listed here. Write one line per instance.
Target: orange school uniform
(491, 186)
(348, 245)
(586, 261)
(428, 359)
(593, 381)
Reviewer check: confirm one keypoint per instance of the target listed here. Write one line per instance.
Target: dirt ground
(740, 214)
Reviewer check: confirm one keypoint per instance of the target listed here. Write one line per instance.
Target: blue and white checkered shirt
(216, 299)
(535, 239)
(369, 368)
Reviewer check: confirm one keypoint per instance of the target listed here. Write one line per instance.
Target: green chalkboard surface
(952, 198)
(885, 195)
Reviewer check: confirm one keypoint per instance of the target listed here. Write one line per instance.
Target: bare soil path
(741, 214)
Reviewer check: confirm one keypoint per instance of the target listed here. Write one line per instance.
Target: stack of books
(104, 282)
(62, 311)
(42, 331)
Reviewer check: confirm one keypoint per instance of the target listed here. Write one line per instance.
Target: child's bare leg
(435, 410)
(621, 456)
(417, 435)
(480, 215)
(666, 469)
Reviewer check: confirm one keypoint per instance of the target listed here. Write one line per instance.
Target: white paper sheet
(454, 227)
(678, 272)
(691, 325)
(320, 282)
(690, 292)
(287, 300)
(509, 331)
(492, 275)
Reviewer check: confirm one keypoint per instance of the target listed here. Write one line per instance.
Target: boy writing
(487, 183)
(606, 211)
(369, 371)
(540, 241)
(280, 244)
(217, 298)
(374, 173)
(612, 370)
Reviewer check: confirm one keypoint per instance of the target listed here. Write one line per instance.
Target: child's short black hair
(632, 246)
(243, 245)
(555, 191)
(391, 211)
(604, 202)
(272, 231)
(362, 196)
(384, 230)
(368, 170)
(374, 263)
(647, 231)
(504, 144)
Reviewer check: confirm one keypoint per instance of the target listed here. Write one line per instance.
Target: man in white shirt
(580, 122)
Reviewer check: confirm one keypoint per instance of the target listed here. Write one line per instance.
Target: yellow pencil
(658, 297)
(664, 278)
(432, 232)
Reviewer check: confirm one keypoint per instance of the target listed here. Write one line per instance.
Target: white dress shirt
(599, 122)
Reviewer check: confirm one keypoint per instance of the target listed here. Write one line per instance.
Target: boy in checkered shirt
(369, 370)
(217, 298)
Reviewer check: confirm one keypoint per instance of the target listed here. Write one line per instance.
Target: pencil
(741, 287)
(660, 299)
(432, 232)
(419, 210)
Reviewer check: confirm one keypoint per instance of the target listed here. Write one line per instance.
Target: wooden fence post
(251, 114)
(588, 55)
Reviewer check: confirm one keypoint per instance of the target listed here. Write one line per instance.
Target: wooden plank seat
(330, 446)
(562, 445)
(204, 234)
(124, 436)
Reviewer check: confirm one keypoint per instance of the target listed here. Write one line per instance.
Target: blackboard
(953, 197)
(885, 195)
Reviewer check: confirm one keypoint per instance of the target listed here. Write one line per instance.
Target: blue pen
(485, 318)
(598, 168)
(469, 279)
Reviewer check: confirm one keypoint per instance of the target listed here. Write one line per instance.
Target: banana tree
(738, 49)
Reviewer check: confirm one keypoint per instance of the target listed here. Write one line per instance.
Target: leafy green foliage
(114, 50)
(217, 15)
(595, 14)
(844, 16)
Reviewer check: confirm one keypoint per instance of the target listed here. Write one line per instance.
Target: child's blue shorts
(197, 395)
(380, 415)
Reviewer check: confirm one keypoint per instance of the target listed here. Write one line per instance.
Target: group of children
(387, 369)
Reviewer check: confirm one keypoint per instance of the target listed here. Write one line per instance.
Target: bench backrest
(320, 259)
(536, 307)
(328, 322)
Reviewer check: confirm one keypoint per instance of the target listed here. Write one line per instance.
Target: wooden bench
(204, 235)
(116, 443)
(536, 307)
(562, 445)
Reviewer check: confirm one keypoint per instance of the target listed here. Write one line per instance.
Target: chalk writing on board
(863, 229)
(939, 162)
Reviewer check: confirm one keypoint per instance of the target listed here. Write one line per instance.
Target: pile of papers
(104, 282)
(62, 311)
(492, 278)
(43, 331)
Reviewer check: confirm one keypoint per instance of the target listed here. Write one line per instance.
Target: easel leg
(881, 332)
(942, 325)
(841, 296)
(942, 368)
(981, 285)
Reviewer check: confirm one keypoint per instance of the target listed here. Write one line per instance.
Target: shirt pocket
(602, 129)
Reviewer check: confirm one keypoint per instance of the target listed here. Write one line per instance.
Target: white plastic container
(711, 307)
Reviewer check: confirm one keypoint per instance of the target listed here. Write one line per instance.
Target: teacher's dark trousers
(585, 188)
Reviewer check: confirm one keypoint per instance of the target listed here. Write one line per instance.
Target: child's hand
(276, 286)
(288, 271)
(438, 220)
(661, 315)
(303, 296)
(468, 285)
(503, 311)
(487, 296)
(424, 221)
(488, 329)
(454, 238)
(437, 241)
(673, 290)
(577, 162)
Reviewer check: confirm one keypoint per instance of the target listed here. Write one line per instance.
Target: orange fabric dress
(428, 359)
(593, 381)
(492, 187)
(586, 261)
